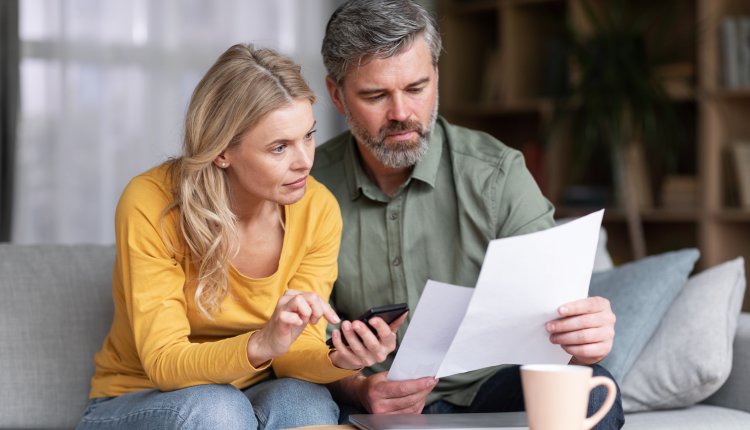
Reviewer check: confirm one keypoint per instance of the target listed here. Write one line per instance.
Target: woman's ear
(221, 161)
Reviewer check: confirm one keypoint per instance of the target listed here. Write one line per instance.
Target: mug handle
(594, 382)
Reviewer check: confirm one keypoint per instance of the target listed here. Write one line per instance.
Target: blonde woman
(225, 261)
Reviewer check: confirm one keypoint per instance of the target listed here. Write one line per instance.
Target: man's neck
(388, 179)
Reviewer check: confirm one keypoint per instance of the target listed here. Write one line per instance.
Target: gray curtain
(9, 95)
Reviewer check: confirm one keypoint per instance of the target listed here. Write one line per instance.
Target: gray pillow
(640, 293)
(690, 355)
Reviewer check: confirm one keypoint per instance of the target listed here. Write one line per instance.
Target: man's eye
(376, 97)
(279, 149)
(310, 135)
(416, 90)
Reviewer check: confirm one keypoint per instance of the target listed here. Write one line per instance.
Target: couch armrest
(735, 393)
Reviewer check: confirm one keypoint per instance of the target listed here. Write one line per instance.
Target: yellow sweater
(159, 340)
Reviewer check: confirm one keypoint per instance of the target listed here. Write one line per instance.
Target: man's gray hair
(362, 29)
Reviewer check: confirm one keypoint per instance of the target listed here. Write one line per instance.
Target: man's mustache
(401, 126)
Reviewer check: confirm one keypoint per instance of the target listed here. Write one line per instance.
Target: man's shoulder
(331, 152)
(477, 147)
(329, 166)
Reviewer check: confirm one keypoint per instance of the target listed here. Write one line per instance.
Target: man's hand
(379, 396)
(585, 329)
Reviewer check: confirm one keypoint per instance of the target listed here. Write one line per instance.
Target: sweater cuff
(244, 360)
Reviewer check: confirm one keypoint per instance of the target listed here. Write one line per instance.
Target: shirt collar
(425, 170)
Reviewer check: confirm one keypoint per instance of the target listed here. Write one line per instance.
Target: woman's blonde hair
(244, 85)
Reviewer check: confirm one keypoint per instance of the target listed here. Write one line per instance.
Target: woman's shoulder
(156, 181)
(150, 191)
(317, 195)
(318, 204)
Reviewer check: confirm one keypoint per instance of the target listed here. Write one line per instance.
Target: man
(421, 199)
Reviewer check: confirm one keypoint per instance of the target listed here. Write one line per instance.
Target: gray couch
(55, 308)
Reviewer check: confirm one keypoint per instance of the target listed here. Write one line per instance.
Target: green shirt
(468, 189)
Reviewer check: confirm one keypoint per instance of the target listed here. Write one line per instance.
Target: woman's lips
(299, 183)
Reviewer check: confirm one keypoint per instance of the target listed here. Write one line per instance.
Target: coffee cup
(557, 396)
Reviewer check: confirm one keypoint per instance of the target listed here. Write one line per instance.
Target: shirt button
(394, 216)
(397, 261)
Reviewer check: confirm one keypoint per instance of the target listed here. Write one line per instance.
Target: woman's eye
(279, 149)
(310, 135)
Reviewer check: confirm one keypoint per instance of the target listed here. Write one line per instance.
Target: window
(104, 86)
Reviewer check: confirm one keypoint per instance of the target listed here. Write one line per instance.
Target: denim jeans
(503, 393)
(271, 404)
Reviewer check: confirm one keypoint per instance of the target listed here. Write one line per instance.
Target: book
(735, 51)
(491, 90)
(741, 157)
(638, 172)
(677, 79)
(679, 192)
(729, 52)
(743, 45)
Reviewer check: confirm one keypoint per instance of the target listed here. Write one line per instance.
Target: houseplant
(615, 103)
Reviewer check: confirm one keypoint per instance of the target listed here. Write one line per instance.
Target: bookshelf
(502, 66)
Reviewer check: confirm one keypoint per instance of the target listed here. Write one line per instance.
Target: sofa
(56, 308)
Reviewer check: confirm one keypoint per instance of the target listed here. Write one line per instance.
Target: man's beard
(395, 154)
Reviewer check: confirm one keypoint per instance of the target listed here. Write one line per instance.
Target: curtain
(105, 85)
(8, 109)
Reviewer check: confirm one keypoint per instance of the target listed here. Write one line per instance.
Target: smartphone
(388, 313)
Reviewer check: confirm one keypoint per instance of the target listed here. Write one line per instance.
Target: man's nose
(398, 109)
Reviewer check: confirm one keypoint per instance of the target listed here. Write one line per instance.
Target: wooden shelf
(687, 95)
(481, 109)
(509, 51)
(522, 2)
(616, 215)
(733, 215)
(743, 93)
(465, 7)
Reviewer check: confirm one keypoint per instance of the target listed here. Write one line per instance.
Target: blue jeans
(271, 404)
(503, 393)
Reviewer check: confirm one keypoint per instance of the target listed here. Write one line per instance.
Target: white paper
(524, 279)
(433, 326)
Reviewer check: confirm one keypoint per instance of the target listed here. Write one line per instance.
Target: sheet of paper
(438, 316)
(523, 280)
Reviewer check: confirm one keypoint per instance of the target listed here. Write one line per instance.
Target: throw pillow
(602, 259)
(690, 355)
(640, 293)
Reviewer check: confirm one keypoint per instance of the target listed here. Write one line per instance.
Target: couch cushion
(55, 310)
(690, 355)
(640, 292)
(735, 393)
(703, 417)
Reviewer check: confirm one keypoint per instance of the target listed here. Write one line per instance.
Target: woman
(225, 261)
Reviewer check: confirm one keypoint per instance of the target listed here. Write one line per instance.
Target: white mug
(557, 396)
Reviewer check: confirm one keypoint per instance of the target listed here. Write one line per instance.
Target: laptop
(499, 420)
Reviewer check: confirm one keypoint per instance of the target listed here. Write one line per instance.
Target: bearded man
(421, 199)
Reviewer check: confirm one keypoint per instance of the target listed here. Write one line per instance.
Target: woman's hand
(365, 348)
(294, 310)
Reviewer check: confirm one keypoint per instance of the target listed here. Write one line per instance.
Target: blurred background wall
(103, 89)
